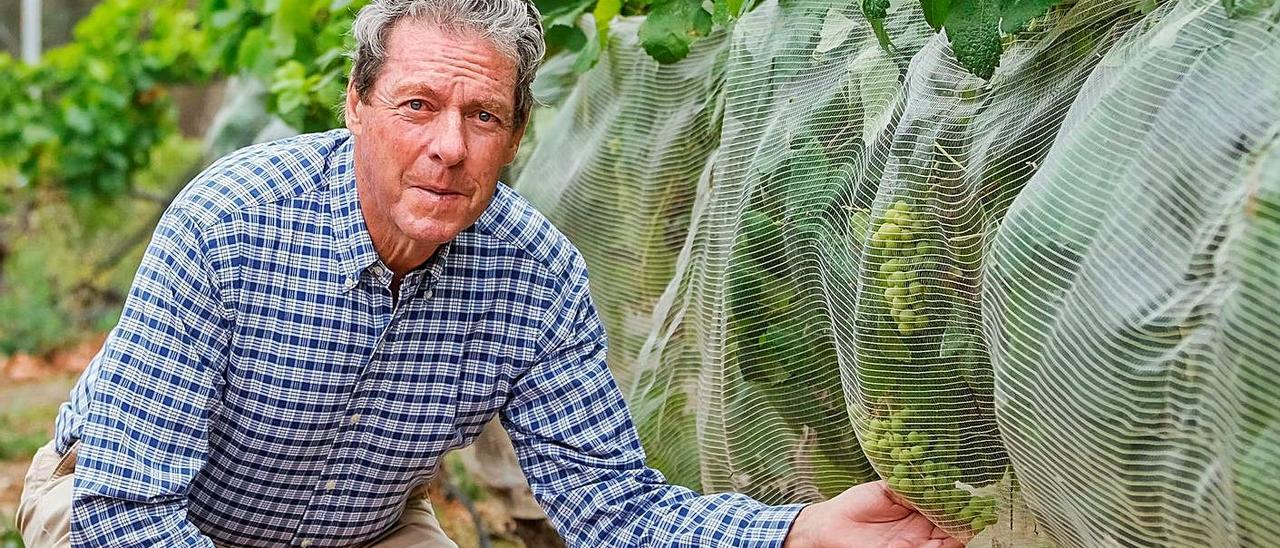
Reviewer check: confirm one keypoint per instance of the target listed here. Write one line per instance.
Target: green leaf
(1015, 14)
(882, 36)
(671, 27)
(561, 24)
(293, 17)
(604, 13)
(836, 28)
(224, 18)
(291, 74)
(723, 11)
(566, 37)
(875, 12)
(587, 57)
(935, 12)
(973, 27)
(552, 10)
(254, 57)
(33, 136)
(79, 120)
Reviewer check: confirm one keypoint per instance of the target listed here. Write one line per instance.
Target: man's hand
(866, 516)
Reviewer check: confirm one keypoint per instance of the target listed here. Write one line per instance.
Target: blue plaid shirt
(263, 388)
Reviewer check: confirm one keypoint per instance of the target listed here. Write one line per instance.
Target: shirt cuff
(770, 526)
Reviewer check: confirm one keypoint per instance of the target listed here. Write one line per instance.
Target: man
(318, 320)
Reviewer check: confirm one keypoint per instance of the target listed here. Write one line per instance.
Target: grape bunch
(896, 238)
(914, 466)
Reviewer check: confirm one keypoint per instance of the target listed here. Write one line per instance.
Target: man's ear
(350, 110)
(514, 145)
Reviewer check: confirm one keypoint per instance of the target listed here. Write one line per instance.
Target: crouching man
(318, 320)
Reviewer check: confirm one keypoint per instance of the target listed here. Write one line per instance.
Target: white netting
(825, 142)
(800, 247)
(807, 83)
(922, 384)
(1135, 295)
(617, 171)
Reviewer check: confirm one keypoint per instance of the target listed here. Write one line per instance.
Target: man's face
(433, 134)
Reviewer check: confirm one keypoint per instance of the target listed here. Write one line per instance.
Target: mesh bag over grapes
(1133, 300)
(921, 380)
(807, 85)
(617, 171)
(1041, 305)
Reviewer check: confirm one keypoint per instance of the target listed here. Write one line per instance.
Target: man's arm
(146, 432)
(578, 447)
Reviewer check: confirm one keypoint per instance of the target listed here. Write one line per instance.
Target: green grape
(902, 452)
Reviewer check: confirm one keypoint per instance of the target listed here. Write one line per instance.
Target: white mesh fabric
(1133, 302)
(822, 286)
(807, 84)
(922, 384)
(617, 172)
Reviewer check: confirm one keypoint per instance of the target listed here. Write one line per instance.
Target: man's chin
(434, 233)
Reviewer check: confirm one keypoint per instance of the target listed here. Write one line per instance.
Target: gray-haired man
(318, 320)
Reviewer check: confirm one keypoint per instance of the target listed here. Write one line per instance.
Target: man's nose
(448, 142)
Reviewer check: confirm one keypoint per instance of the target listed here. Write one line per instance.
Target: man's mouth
(439, 193)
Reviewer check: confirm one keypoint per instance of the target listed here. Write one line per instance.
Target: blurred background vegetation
(128, 101)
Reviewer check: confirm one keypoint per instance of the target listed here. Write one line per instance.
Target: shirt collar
(355, 248)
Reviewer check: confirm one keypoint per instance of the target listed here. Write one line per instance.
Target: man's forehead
(467, 51)
(410, 35)
(422, 57)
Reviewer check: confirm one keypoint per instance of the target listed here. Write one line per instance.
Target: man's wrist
(800, 533)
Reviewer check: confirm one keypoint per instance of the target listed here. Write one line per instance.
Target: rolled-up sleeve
(145, 435)
(579, 448)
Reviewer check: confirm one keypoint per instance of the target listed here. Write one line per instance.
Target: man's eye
(417, 104)
(485, 117)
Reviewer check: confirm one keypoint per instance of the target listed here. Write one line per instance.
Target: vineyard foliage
(88, 116)
(90, 113)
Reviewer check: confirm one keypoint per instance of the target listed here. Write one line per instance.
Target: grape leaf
(670, 28)
(554, 11)
(560, 18)
(935, 12)
(836, 28)
(565, 37)
(724, 11)
(973, 28)
(293, 17)
(1015, 14)
(603, 14)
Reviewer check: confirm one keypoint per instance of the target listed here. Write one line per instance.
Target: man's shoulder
(513, 222)
(264, 173)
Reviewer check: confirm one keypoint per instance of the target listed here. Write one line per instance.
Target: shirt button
(355, 419)
(426, 294)
(331, 484)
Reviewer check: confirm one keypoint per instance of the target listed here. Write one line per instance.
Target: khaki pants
(44, 511)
